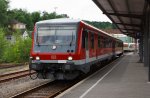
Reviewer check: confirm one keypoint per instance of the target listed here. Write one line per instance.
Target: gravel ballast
(14, 87)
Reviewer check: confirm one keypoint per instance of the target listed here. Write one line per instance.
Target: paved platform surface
(126, 79)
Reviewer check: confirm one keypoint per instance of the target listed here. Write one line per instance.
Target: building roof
(13, 21)
(126, 14)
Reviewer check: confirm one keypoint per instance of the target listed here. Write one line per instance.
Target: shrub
(3, 43)
(18, 51)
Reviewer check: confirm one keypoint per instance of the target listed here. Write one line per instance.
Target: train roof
(70, 21)
(60, 21)
(105, 33)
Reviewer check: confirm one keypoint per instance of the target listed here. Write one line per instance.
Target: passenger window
(83, 38)
(86, 40)
(92, 40)
(109, 43)
(99, 41)
(104, 41)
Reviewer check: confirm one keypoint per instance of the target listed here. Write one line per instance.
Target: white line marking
(85, 93)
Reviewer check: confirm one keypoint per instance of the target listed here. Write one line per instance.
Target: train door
(87, 46)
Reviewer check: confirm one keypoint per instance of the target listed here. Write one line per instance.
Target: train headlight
(70, 58)
(31, 57)
(37, 58)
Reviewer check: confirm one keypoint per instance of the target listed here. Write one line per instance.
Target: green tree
(101, 25)
(3, 43)
(35, 17)
(52, 15)
(3, 12)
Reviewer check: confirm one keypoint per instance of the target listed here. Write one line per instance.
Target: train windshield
(49, 35)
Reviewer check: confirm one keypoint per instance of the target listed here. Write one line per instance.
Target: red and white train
(129, 47)
(64, 48)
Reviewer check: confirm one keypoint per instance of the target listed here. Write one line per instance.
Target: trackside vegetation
(14, 52)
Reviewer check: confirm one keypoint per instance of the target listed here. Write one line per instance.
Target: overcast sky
(76, 9)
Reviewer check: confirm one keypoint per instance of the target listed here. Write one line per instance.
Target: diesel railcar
(129, 47)
(64, 48)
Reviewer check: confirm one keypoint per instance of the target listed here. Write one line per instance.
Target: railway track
(3, 66)
(47, 90)
(15, 75)
(52, 89)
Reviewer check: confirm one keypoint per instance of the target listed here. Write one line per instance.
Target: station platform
(124, 79)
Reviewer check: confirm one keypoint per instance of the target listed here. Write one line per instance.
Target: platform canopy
(126, 14)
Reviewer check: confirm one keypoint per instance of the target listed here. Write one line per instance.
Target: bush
(18, 52)
(3, 43)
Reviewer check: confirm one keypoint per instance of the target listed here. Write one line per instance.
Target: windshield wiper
(71, 40)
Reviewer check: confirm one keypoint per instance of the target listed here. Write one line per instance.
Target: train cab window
(92, 40)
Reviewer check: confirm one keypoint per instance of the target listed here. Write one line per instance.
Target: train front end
(54, 48)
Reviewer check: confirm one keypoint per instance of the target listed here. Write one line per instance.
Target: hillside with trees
(101, 25)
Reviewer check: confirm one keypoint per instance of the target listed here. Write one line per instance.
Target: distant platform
(125, 79)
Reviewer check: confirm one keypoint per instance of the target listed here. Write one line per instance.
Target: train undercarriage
(63, 71)
(56, 71)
